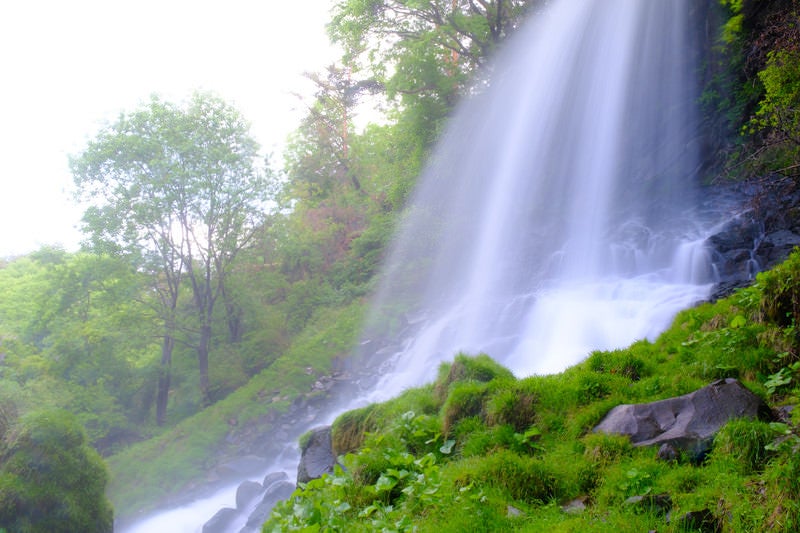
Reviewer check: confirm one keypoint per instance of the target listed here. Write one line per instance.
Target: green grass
(149, 472)
(479, 450)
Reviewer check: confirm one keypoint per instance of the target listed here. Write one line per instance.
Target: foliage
(80, 330)
(528, 443)
(50, 479)
(177, 191)
(423, 47)
(481, 369)
(752, 88)
(173, 460)
(77, 337)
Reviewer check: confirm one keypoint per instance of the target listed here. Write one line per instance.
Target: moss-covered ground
(479, 450)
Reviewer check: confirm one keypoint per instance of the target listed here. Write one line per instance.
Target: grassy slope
(481, 451)
(146, 474)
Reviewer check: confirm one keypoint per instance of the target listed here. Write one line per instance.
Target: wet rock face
(687, 423)
(760, 237)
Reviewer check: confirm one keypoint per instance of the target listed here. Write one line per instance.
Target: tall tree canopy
(177, 189)
(423, 47)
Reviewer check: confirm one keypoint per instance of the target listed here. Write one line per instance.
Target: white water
(557, 215)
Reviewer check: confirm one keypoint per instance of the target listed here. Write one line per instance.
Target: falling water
(558, 213)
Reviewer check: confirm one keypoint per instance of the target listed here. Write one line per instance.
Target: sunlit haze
(68, 68)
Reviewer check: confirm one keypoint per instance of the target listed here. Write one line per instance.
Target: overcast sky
(70, 67)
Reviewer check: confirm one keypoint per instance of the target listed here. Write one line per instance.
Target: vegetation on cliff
(479, 450)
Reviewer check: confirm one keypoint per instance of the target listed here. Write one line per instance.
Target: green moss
(742, 444)
(522, 478)
(480, 368)
(466, 399)
(350, 429)
(513, 403)
(50, 479)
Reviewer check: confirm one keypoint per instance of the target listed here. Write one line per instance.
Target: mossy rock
(50, 479)
(349, 429)
(480, 368)
(466, 399)
(514, 404)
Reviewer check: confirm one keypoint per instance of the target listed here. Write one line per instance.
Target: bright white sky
(69, 67)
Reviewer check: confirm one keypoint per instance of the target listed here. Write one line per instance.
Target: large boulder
(317, 457)
(687, 422)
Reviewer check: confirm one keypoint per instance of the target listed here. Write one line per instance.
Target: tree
(177, 190)
(424, 48)
(317, 160)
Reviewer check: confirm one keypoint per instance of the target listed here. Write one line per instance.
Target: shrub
(604, 448)
(51, 480)
(349, 429)
(780, 292)
(744, 443)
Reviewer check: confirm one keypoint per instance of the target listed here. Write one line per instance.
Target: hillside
(479, 450)
(175, 396)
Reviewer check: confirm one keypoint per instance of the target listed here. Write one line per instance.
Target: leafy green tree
(427, 48)
(50, 479)
(77, 332)
(177, 190)
(317, 159)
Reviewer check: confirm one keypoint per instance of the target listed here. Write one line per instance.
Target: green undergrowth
(150, 472)
(480, 450)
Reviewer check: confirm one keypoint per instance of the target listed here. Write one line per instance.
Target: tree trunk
(164, 375)
(233, 315)
(202, 361)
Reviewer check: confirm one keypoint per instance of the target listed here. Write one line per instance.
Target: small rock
(247, 492)
(220, 521)
(274, 477)
(576, 506)
(660, 504)
(784, 413)
(669, 453)
(512, 511)
(702, 521)
(278, 492)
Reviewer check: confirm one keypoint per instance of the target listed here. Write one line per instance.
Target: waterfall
(558, 214)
